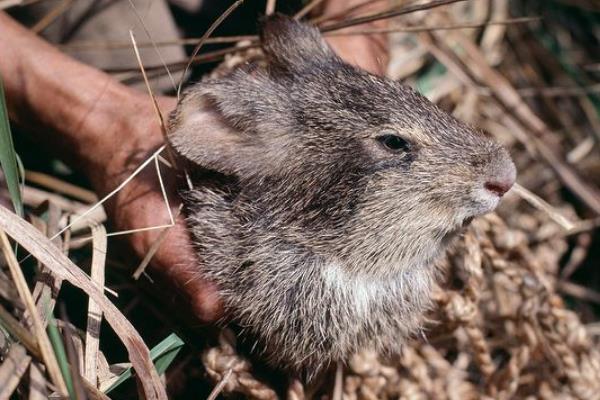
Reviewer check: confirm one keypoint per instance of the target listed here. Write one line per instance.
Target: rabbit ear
(199, 132)
(293, 45)
(220, 125)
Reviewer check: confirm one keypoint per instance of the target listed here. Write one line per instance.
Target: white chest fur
(406, 291)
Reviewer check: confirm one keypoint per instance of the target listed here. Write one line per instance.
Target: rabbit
(323, 195)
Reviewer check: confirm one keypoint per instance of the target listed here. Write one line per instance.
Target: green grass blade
(61, 355)
(8, 156)
(163, 362)
(162, 354)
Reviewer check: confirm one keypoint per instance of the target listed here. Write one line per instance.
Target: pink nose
(501, 174)
(499, 186)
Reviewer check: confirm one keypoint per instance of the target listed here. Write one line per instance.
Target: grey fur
(320, 239)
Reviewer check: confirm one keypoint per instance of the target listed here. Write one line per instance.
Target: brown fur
(320, 239)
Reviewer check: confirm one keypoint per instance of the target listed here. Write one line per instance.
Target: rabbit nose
(502, 178)
(499, 187)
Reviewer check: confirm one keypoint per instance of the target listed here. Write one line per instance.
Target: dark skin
(107, 129)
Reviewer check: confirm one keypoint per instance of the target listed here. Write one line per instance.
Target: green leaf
(61, 355)
(8, 156)
(162, 354)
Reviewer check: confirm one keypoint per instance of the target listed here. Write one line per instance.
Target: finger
(177, 262)
(141, 205)
(363, 52)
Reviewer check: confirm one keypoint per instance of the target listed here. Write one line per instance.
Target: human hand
(369, 52)
(106, 130)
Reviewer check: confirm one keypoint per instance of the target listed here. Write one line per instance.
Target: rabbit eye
(393, 143)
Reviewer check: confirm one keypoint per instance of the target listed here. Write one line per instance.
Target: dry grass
(516, 314)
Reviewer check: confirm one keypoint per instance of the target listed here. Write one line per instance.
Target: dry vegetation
(516, 312)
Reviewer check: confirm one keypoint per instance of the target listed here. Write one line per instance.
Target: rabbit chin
(482, 202)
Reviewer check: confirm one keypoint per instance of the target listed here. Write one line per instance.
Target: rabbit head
(355, 166)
